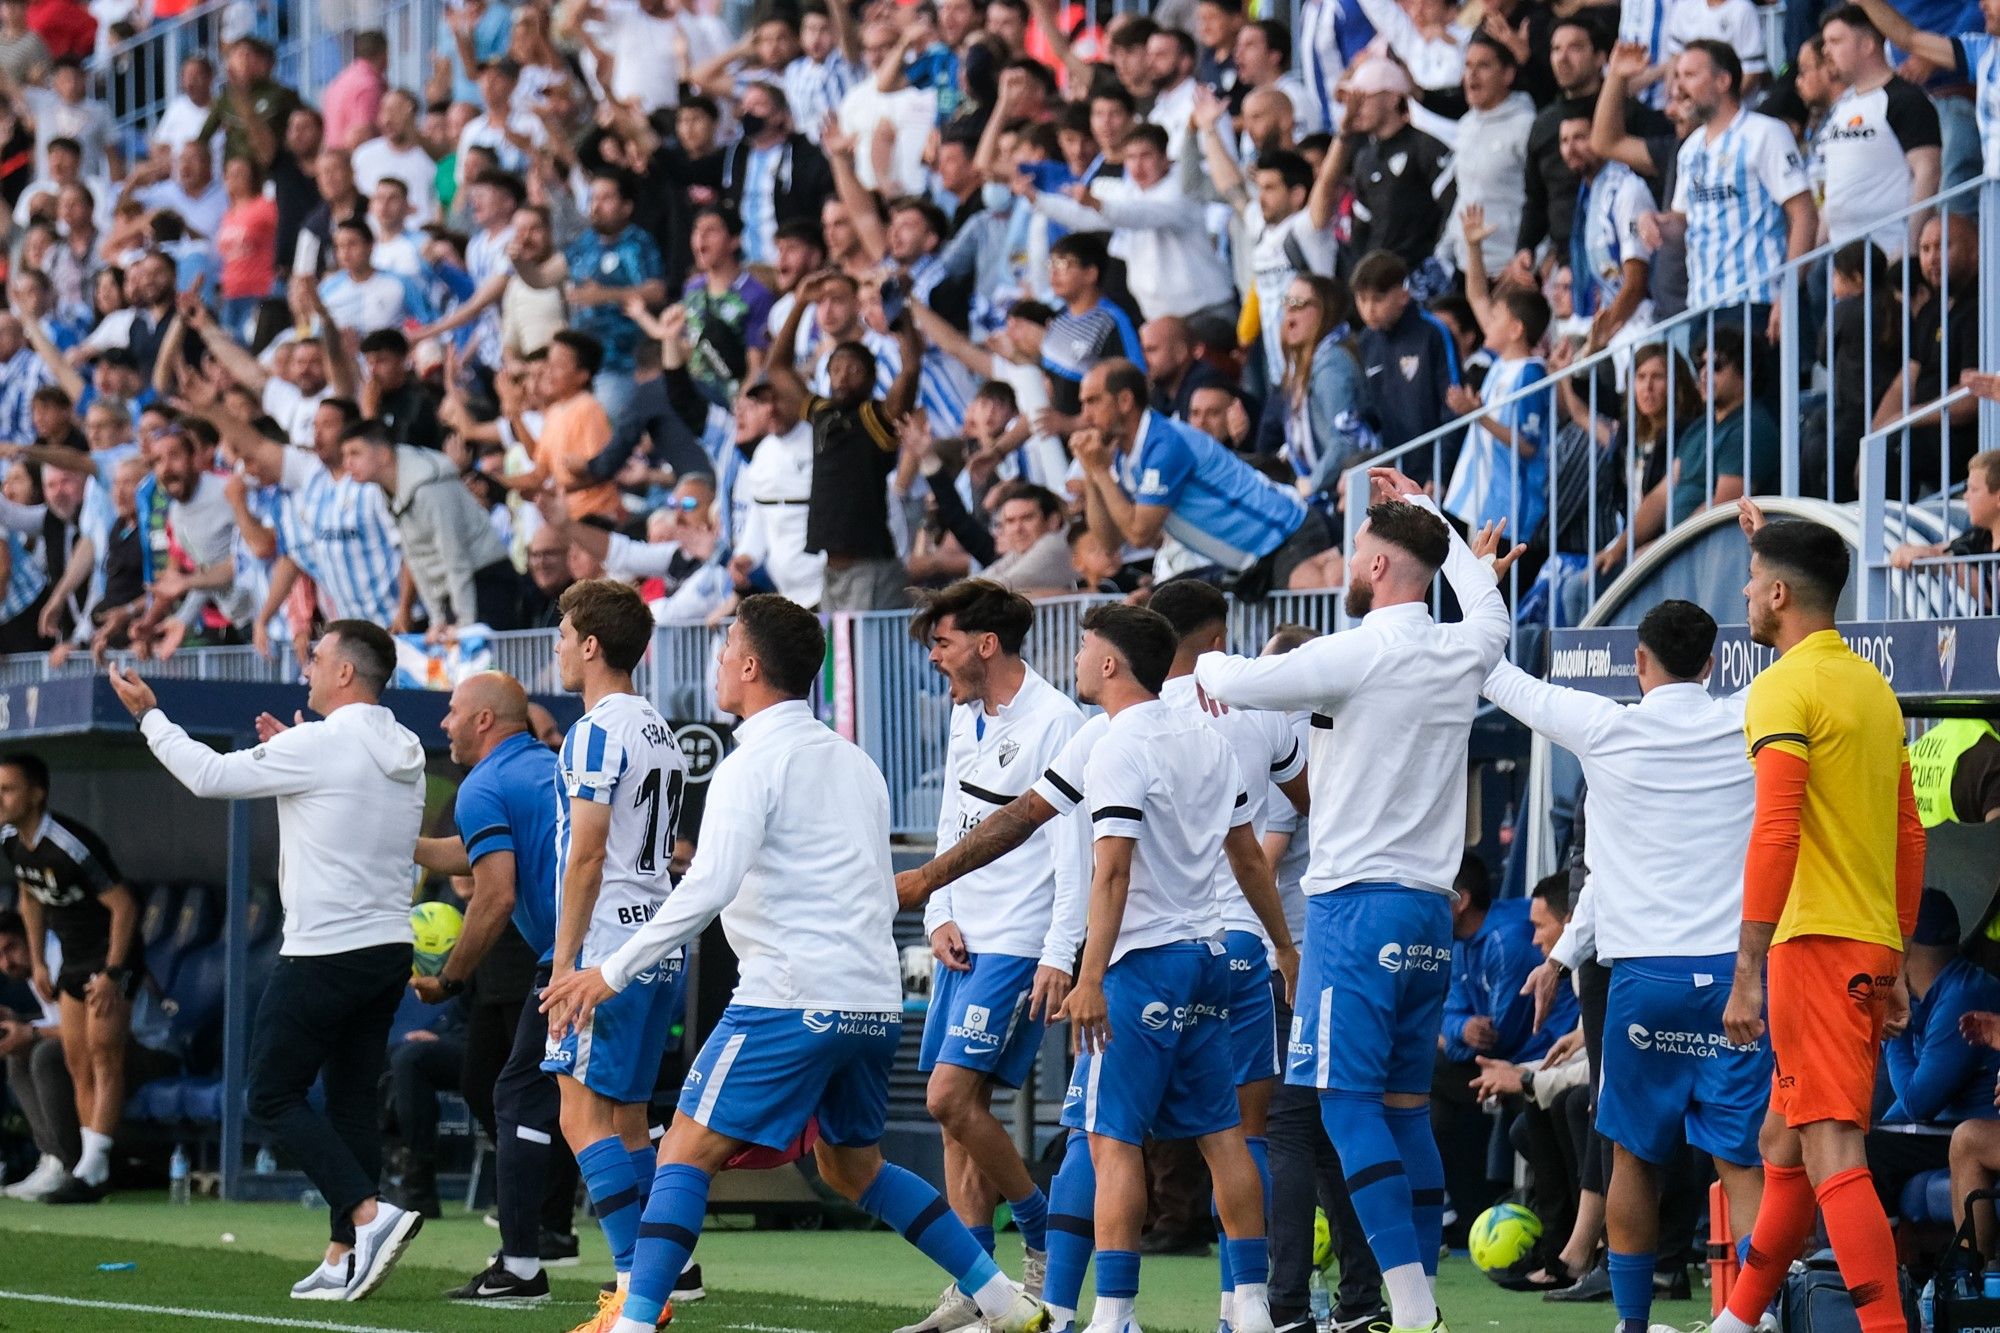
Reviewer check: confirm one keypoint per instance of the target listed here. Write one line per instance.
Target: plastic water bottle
(1926, 1307)
(1322, 1302)
(177, 1177)
(1990, 1283)
(266, 1163)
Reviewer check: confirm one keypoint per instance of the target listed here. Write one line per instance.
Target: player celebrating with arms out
(1831, 886)
(1393, 701)
(794, 856)
(1006, 941)
(622, 777)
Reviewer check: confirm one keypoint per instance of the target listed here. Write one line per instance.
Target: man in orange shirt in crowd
(574, 430)
(1830, 892)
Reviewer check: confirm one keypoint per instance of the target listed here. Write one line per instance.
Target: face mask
(753, 124)
(996, 197)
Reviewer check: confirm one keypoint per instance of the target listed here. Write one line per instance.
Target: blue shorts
(764, 1072)
(1668, 1069)
(617, 1053)
(1371, 989)
(1165, 1072)
(979, 1019)
(1253, 1020)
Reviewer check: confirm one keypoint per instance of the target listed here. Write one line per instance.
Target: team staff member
(506, 817)
(67, 883)
(1830, 895)
(350, 791)
(1955, 769)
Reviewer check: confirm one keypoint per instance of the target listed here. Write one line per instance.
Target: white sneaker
(1034, 1272)
(41, 1181)
(328, 1282)
(1026, 1315)
(955, 1310)
(1253, 1314)
(379, 1245)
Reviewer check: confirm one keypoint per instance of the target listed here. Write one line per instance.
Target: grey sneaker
(1034, 1272)
(379, 1245)
(955, 1310)
(328, 1282)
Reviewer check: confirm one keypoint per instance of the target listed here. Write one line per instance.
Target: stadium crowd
(863, 300)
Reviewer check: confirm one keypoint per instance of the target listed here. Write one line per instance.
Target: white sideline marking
(183, 1312)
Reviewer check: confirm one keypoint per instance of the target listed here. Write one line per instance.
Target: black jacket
(803, 183)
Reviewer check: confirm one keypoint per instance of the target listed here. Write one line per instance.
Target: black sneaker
(498, 1287)
(558, 1249)
(75, 1189)
(1592, 1286)
(687, 1287)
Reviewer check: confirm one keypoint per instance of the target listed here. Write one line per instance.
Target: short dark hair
(1474, 880)
(614, 614)
(1531, 308)
(349, 410)
(1190, 605)
(1680, 635)
(12, 924)
(787, 639)
(1724, 346)
(64, 143)
(802, 229)
(1411, 528)
(1811, 558)
(976, 606)
(1725, 59)
(621, 181)
(1083, 248)
(1114, 92)
(386, 340)
(731, 220)
(355, 225)
(1289, 636)
(1554, 890)
(1598, 33)
(589, 352)
(1854, 16)
(370, 45)
(369, 650)
(1142, 637)
(1136, 33)
(1145, 133)
(31, 768)
(1122, 376)
(1278, 37)
(504, 181)
(1500, 50)
(369, 430)
(1190, 50)
(1049, 503)
(1378, 273)
(932, 215)
(1294, 170)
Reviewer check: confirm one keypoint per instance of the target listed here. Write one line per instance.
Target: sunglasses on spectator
(687, 504)
(1300, 302)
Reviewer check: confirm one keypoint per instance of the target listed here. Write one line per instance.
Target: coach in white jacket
(350, 792)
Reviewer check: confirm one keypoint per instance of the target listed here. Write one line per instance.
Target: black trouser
(1542, 1137)
(418, 1072)
(535, 1173)
(489, 1040)
(327, 1017)
(1305, 1171)
(1464, 1138)
(1895, 1159)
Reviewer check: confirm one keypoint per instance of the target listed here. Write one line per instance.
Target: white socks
(624, 1282)
(1252, 1313)
(996, 1297)
(520, 1268)
(1411, 1303)
(1729, 1323)
(1061, 1316)
(94, 1166)
(1111, 1314)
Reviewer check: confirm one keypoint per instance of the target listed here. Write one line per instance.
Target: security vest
(1934, 762)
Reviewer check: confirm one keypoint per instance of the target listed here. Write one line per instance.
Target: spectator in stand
(1741, 199)
(1087, 330)
(254, 112)
(1940, 1080)
(394, 395)
(773, 174)
(339, 201)
(1968, 65)
(24, 56)
(728, 308)
(1410, 360)
(186, 185)
(22, 372)
(1733, 23)
(352, 100)
(827, 66)
(65, 110)
(1320, 407)
(1610, 261)
(1218, 23)
(396, 153)
(574, 430)
(361, 299)
(1403, 192)
(182, 121)
(1173, 369)
(196, 599)
(611, 261)
(247, 245)
(1732, 451)
(1503, 466)
(141, 327)
(1881, 144)
(1491, 164)
(509, 133)
(1944, 344)
(458, 564)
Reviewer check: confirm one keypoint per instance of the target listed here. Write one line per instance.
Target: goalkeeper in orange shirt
(1830, 891)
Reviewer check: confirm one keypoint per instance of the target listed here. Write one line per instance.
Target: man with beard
(1387, 829)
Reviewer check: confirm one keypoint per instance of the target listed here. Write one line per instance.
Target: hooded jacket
(447, 537)
(350, 793)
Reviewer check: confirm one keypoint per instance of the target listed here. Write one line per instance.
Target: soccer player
(622, 779)
(1393, 701)
(1266, 751)
(1830, 893)
(1006, 940)
(1151, 1001)
(1668, 803)
(506, 818)
(794, 856)
(67, 883)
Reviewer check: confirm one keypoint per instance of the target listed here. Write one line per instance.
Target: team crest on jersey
(1397, 162)
(1408, 365)
(1008, 749)
(817, 1020)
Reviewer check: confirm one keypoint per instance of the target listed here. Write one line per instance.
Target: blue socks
(1631, 1286)
(1417, 1145)
(911, 1206)
(984, 1235)
(665, 1239)
(1072, 1234)
(1118, 1274)
(645, 1161)
(1260, 1153)
(614, 1196)
(1249, 1260)
(1031, 1215)
(1376, 1181)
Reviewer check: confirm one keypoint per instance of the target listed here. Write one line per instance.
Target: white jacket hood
(393, 746)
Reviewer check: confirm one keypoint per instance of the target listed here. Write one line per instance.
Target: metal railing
(137, 77)
(1603, 452)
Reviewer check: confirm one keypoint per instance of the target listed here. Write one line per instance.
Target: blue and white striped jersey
(622, 754)
(20, 376)
(1608, 232)
(27, 573)
(340, 533)
(814, 89)
(1331, 34)
(1732, 187)
(1495, 481)
(1979, 62)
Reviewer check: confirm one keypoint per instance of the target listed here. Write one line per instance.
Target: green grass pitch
(187, 1277)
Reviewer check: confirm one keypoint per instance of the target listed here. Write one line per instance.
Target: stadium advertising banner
(1922, 659)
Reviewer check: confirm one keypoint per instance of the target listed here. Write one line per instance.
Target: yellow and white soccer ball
(1502, 1237)
(434, 929)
